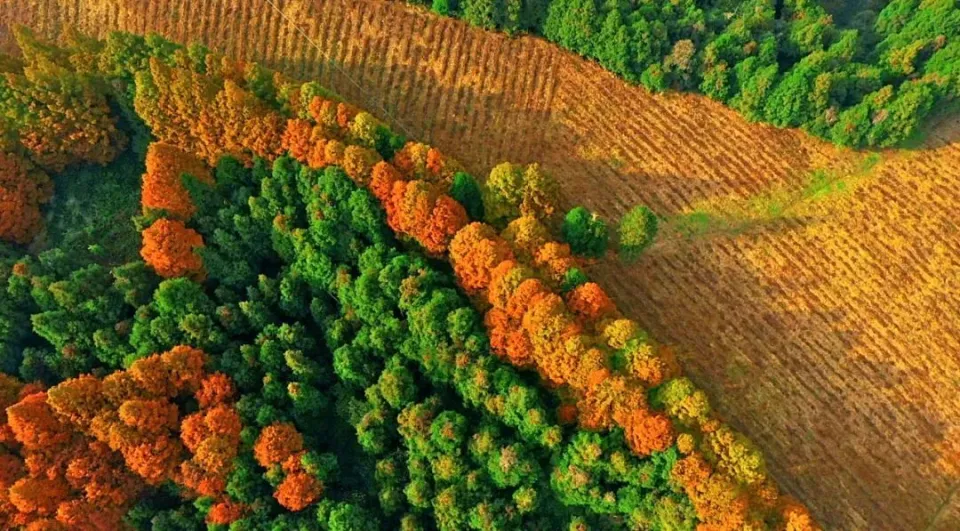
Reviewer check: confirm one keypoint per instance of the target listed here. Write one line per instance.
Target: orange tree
(163, 188)
(23, 189)
(170, 248)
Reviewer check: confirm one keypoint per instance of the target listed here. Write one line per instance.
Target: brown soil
(830, 336)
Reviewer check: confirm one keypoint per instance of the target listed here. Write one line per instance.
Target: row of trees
(872, 83)
(57, 111)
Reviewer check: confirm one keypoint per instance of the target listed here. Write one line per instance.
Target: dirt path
(831, 338)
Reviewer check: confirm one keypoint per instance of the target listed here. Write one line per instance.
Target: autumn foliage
(282, 445)
(80, 453)
(59, 115)
(421, 210)
(226, 512)
(276, 444)
(418, 161)
(23, 189)
(207, 115)
(474, 252)
(413, 189)
(170, 248)
(163, 188)
(571, 342)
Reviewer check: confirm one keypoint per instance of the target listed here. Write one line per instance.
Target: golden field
(824, 321)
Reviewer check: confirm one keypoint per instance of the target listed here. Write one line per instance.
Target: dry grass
(829, 333)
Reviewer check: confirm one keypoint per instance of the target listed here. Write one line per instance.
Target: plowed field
(829, 334)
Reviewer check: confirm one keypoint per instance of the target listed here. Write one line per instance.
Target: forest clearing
(827, 331)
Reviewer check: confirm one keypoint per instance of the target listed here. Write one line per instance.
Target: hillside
(767, 321)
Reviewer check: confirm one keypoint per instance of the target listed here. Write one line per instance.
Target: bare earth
(831, 336)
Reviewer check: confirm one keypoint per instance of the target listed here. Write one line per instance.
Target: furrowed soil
(821, 315)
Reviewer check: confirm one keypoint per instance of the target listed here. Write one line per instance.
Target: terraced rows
(831, 339)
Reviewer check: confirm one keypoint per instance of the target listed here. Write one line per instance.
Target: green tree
(481, 13)
(467, 192)
(612, 45)
(441, 7)
(637, 231)
(573, 24)
(585, 232)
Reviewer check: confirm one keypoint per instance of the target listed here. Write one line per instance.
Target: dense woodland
(870, 81)
(233, 301)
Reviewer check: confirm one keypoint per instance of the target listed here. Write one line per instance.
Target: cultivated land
(822, 319)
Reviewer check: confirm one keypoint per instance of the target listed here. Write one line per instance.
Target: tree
(277, 443)
(417, 161)
(214, 438)
(298, 490)
(70, 478)
(591, 303)
(527, 235)
(474, 251)
(612, 46)
(466, 191)
(299, 138)
(555, 261)
(335, 339)
(170, 248)
(512, 191)
(226, 512)
(441, 7)
(23, 190)
(585, 232)
(481, 13)
(358, 162)
(796, 517)
(426, 214)
(503, 193)
(637, 230)
(717, 500)
(572, 24)
(647, 432)
(206, 115)
(541, 193)
(135, 413)
(163, 188)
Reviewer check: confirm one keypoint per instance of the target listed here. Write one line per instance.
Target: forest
(873, 79)
(231, 300)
